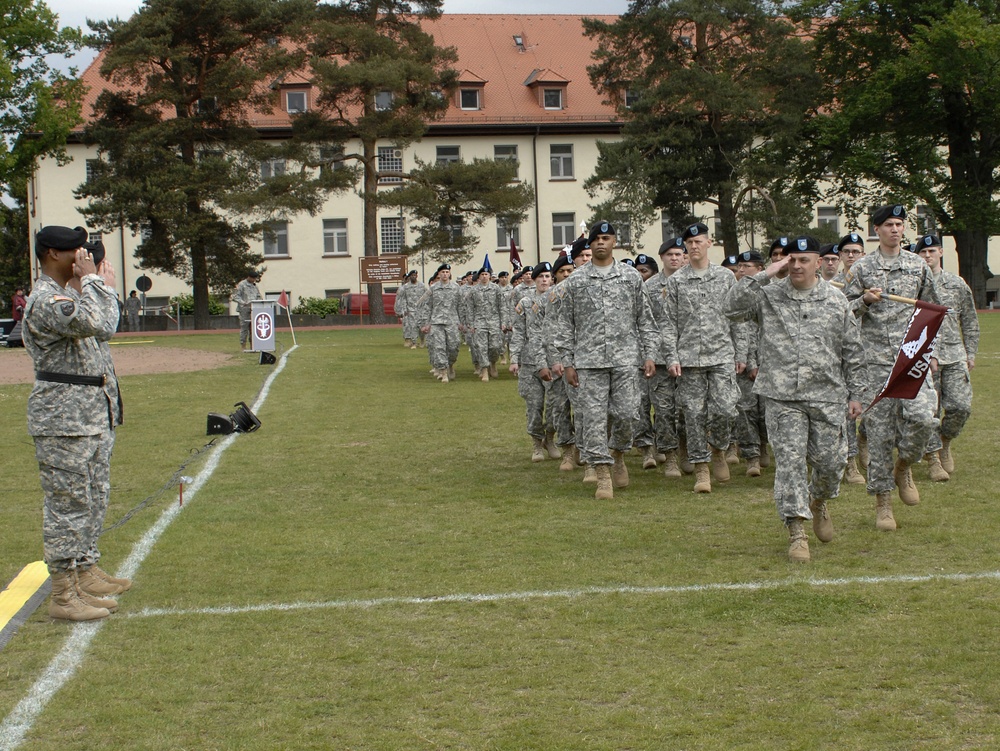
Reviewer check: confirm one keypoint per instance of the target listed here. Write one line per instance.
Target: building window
(828, 217)
(447, 154)
(335, 237)
(276, 239)
(926, 223)
(624, 237)
(631, 98)
(668, 230)
(93, 167)
(389, 160)
(207, 106)
(95, 237)
(716, 226)
(504, 234)
(272, 168)
(505, 151)
(552, 99)
(561, 161)
(383, 101)
(331, 158)
(563, 229)
(295, 101)
(469, 99)
(392, 234)
(455, 227)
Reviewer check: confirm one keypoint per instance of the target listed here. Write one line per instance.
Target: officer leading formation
(698, 365)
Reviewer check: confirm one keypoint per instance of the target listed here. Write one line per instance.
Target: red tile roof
(554, 51)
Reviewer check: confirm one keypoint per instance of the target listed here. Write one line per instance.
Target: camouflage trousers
(487, 345)
(76, 482)
(805, 435)
(707, 397)
(852, 438)
(559, 410)
(749, 426)
(442, 345)
(244, 328)
(903, 424)
(411, 329)
(953, 384)
(533, 390)
(605, 409)
(657, 393)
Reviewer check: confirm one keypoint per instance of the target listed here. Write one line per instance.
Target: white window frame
(296, 109)
(272, 168)
(389, 228)
(561, 162)
(383, 101)
(276, 240)
(452, 155)
(474, 92)
(503, 235)
(390, 159)
(559, 93)
(827, 216)
(563, 228)
(335, 238)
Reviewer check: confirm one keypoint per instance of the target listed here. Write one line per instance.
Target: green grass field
(287, 606)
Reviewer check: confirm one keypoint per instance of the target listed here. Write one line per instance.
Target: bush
(215, 308)
(317, 306)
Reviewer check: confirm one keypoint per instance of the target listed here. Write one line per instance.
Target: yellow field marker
(136, 341)
(25, 588)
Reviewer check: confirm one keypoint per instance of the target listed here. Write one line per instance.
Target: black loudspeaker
(240, 421)
(266, 358)
(219, 424)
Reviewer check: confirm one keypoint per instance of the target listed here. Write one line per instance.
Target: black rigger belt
(73, 378)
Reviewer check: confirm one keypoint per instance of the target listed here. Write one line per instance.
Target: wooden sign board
(378, 269)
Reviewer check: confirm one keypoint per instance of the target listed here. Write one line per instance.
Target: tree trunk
(375, 310)
(973, 256)
(727, 218)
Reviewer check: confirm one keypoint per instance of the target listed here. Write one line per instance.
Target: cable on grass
(178, 475)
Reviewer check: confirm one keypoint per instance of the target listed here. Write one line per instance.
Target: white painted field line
(559, 593)
(64, 665)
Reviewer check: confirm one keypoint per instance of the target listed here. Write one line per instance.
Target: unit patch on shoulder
(65, 307)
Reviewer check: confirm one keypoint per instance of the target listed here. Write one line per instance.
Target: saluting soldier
(71, 417)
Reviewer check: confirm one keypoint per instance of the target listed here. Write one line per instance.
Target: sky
(76, 13)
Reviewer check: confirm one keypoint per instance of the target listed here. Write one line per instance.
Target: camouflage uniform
(811, 364)
(957, 343)
(559, 407)
(439, 310)
(132, 307)
(906, 424)
(407, 297)
(699, 338)
(72, 424)
(749, 427)
(246, 293)
(487, 314)
(604, 328)
(661, 387)
(526, 350)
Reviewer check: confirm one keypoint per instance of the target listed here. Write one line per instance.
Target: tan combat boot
(947, 458)
(66, 603)
(590, 474)
(484, 374)
(120, 585)
(493, 370)
(94, 599)
(538, 450)
(551, 446)
(753, 466)
(682, 454)
(798, 542)
(619, 472)
(935, 471)
(733, 454)
(605, 487)
(863, 450)
(451, 372)
(568, 463)
(765, 457)
(87, 581)
(649, 457)
(720, 467)
(852, 474)
(408, 343)
(702, 478)
(670, 467)
(903, 478)
(822, 525)
(884, 520)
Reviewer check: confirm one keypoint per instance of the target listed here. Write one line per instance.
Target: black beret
(781, 242)
(694, 230)
(601, 228)
(804, 244)
(830, 249)
(729, 261)
(579, 245)
(674, 242)
(502, 273)
(61, 238)
(97, 251)
(629, 262)
(562, 260)
(927, 241)
(750, 256)
(443, 267)
(412, 273)
(851, 238)
(643, 260)
(542, 268)
(484, 270)
(911, 247)
(893, 211)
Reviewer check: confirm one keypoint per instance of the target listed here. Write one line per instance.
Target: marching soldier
(439, 320)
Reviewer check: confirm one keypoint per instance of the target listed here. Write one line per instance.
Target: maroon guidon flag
(515, 259)
(283, 299)
(915, 352)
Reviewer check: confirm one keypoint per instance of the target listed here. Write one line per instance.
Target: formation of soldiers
(699, 366)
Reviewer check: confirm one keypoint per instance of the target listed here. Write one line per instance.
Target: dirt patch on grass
(130, 359)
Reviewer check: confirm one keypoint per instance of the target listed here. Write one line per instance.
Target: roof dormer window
(552, 99)
(296, 102)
